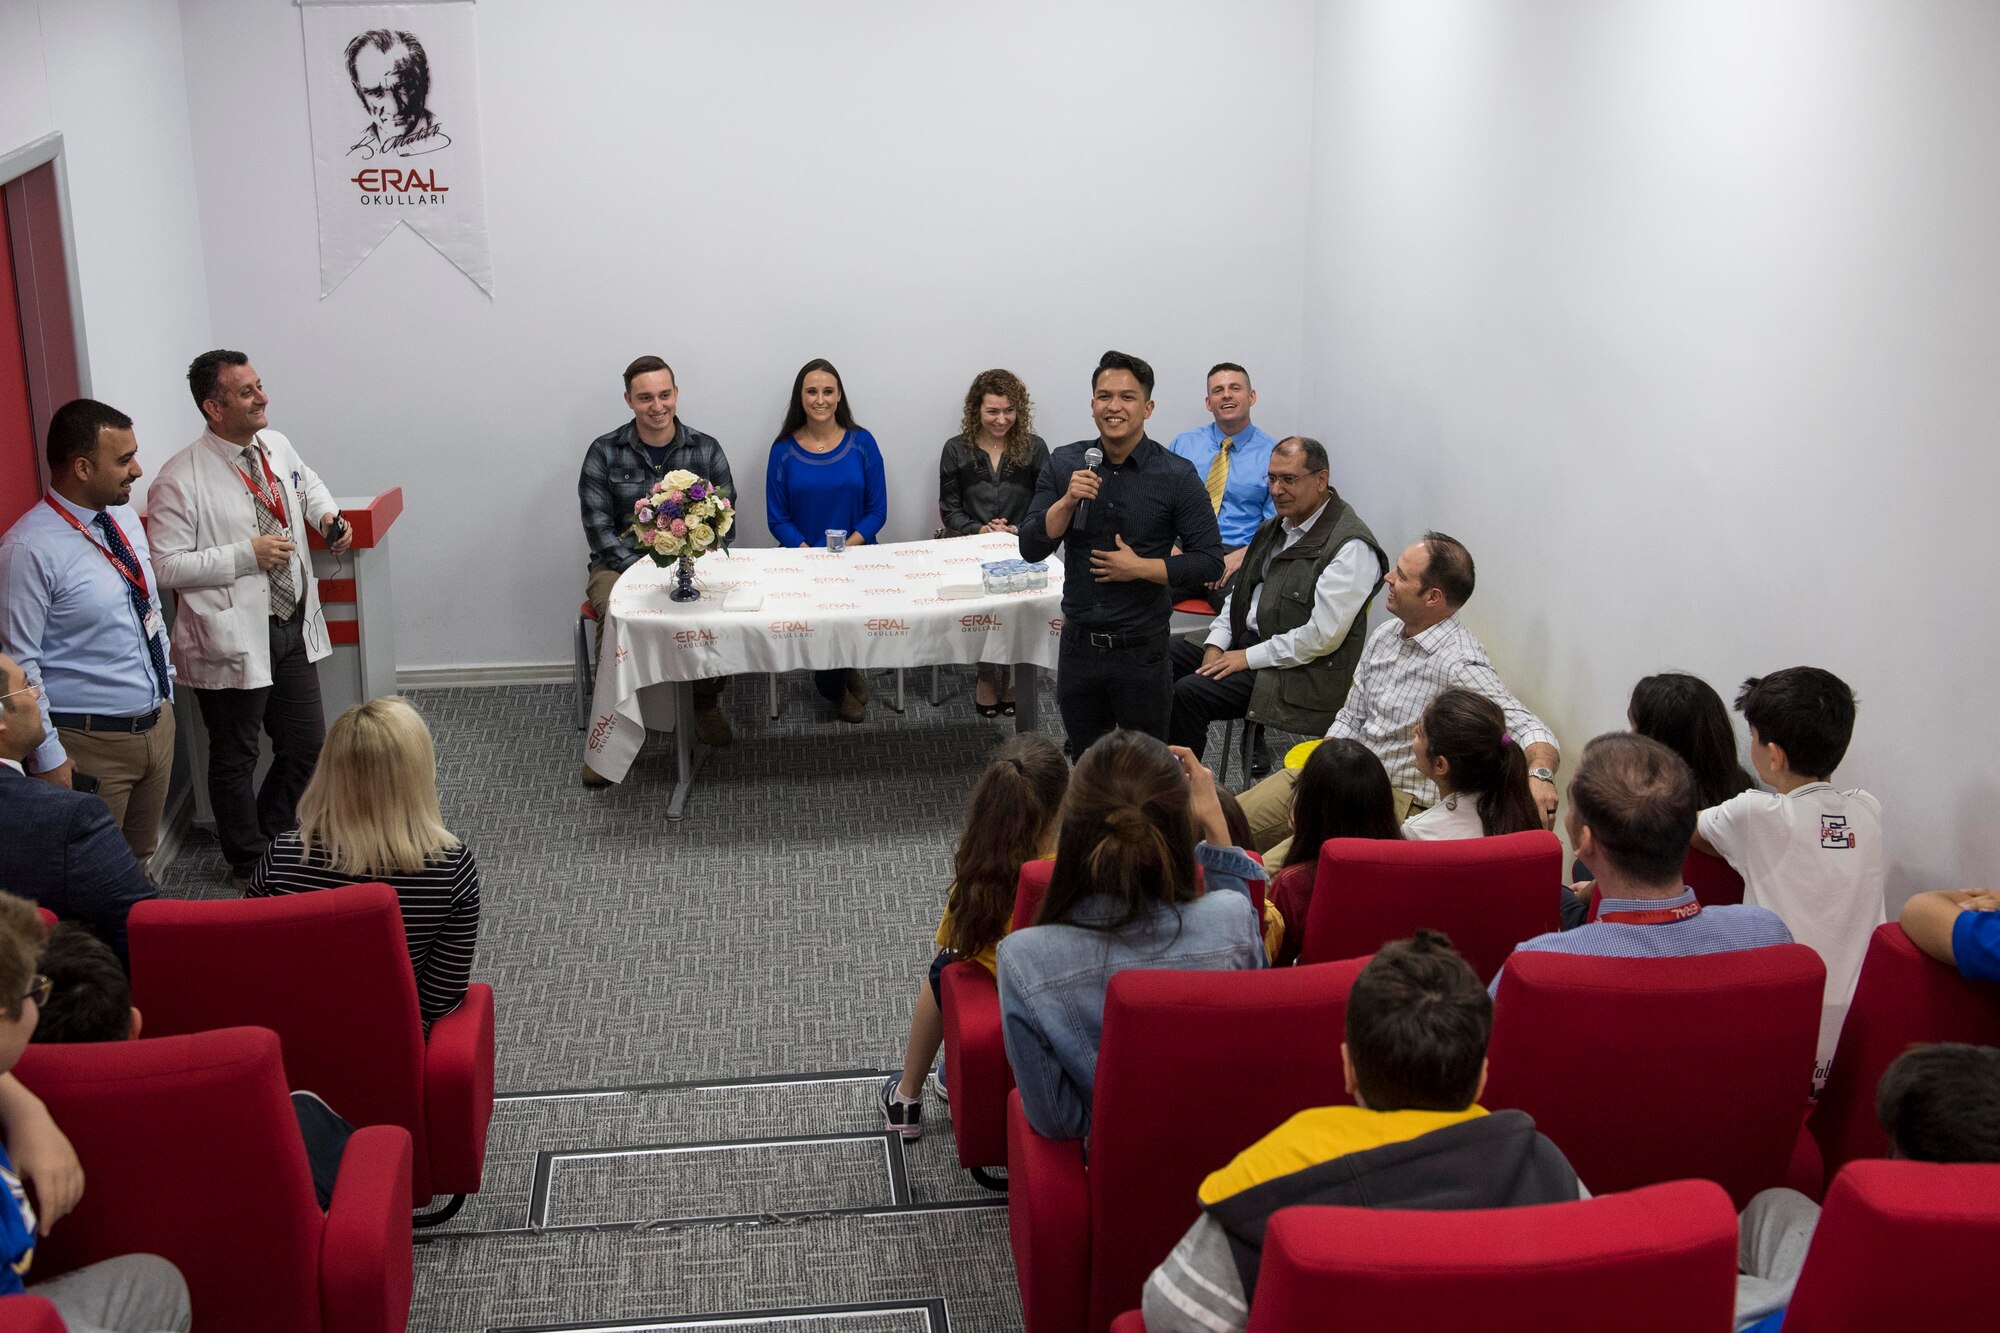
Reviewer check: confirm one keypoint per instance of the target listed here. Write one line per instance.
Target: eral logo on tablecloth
(979, 622)
(600, 731)
(840, 606)
(962, 560)
(885, 627)
(784, 569)
(881, 592)
(1055, 627)
(925, 601)
(874, 564)
(790, 595)
(693, 638)
(622, 653)
(791, 629)
(832, 578)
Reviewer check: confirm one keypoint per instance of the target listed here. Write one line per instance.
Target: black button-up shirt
(617, 475)
(1153, 500)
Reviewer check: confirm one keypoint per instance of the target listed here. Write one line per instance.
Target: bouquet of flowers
(683, 518)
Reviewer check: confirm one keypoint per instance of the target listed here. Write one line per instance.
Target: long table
(866, 607)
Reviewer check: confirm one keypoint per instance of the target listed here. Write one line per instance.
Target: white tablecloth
(868, 606)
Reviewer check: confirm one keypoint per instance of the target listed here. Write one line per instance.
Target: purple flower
(671, 510)
(697, 491)
(645, 513)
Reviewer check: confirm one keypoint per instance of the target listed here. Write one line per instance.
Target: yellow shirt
(1320, 1135)
(988, 957)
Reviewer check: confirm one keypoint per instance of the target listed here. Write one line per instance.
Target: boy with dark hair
(89, 999)
(1807, 850)
(1936, 1103)
(133, 1293)
(1416, 1137)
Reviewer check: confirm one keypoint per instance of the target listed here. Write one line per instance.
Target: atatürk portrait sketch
(392, 77)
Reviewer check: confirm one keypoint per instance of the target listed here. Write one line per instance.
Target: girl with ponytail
(1123, 893)
(1009, 818)
(1463, 745)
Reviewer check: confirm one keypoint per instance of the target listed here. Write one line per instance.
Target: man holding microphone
(1117, 506)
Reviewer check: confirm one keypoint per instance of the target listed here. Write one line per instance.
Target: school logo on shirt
(1834, 833)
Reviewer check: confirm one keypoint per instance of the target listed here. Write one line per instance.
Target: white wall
(1685, 316)
(108, 75)
(916, 191)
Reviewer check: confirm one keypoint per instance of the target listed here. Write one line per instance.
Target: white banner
(394, 95)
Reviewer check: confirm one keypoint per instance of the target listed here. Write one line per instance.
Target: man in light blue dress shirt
(1242, 500)
(80, 611)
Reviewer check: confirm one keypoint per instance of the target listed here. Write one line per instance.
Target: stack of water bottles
(1014, 576)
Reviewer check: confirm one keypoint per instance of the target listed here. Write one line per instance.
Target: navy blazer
(60, 849)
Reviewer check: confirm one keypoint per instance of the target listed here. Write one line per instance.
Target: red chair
(194, 1154)
(29, 1314)
(1656, 1260)
(1488, 894)
(1714, 883)
(1903, 997)
(1650, 1069)
(1901, 1245)
(1194, 1068)
(329, 972)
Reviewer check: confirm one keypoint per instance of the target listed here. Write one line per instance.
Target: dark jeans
(1199, 701)
(1099, 689)
(326, 1135)
(288, 710)
(830, 684)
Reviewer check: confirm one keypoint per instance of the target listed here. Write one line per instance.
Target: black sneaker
(898, 1116)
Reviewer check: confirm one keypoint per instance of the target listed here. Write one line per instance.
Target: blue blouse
(807, 493)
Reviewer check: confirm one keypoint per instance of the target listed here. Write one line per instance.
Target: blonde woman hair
(372, 805)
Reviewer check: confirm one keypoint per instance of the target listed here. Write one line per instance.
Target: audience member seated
(369, 815)
(61, 848)
(825, 476)
(1415, 1062)
(1405, 664)
(90, 999)
(1343, 792)
(1807, 850)
(1122, 894)
(133, 1293)
(1463, 746)
(1631, 814)
(1009, 818)
(1960, 927)
(986, 480)
(1936, 1103)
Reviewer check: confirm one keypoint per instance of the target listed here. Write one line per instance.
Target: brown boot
(850, 708)
(593, 778)
(711, 727)
(857, 685)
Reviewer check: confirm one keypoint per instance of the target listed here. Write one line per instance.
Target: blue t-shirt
(806, 494)
(17, 1230)
(1975, 943)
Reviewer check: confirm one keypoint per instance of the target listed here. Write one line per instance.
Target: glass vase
(684, 589)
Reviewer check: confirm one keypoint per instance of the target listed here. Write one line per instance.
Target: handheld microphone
(1093, 457)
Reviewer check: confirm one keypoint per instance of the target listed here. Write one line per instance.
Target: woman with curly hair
(986, 477)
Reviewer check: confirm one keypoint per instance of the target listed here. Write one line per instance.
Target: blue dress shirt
(67, 616)
(1246, 497)
(805, 493)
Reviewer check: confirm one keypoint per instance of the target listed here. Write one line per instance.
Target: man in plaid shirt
(621, 469)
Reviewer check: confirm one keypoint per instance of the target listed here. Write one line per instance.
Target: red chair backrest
(1713, 882)
(193, 1154)
(1904, 996)
(1902, 1245)
(1650, 1069)
(1657, 1260)
(29, 1314)
(1193, 1068)
(328, 971)
(1488, 894)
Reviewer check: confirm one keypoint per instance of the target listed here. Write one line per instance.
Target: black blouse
(970, 495)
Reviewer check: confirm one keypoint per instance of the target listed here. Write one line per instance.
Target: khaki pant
(132, 772)
(1268, 807)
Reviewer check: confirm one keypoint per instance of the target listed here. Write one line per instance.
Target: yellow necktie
(1218, 474)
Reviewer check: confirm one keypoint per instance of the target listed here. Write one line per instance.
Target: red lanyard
(1654, 916)
(274, 499)
(134, 574)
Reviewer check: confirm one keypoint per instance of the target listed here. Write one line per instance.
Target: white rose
(679, 479)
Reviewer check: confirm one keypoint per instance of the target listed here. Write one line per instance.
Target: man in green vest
(1283, 647)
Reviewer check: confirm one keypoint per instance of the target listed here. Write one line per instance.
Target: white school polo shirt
(1815, 858)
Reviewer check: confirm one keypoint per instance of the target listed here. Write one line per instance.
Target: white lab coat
(201, 519)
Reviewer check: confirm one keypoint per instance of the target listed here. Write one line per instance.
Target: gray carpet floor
(778, 932)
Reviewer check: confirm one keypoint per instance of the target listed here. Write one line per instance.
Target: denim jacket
(1052, 981)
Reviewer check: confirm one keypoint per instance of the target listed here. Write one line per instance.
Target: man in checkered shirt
(1408, 662)
(620, 470)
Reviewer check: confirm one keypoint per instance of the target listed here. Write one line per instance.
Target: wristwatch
(1547, 775)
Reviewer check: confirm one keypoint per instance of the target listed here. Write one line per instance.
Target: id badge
(154, 624)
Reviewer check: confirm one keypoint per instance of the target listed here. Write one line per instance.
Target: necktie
(1218, 473)
(114, 542)
(284, 590)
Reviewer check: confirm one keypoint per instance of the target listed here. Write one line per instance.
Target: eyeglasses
(25, 689)
(39, 989)
(1286, 479)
